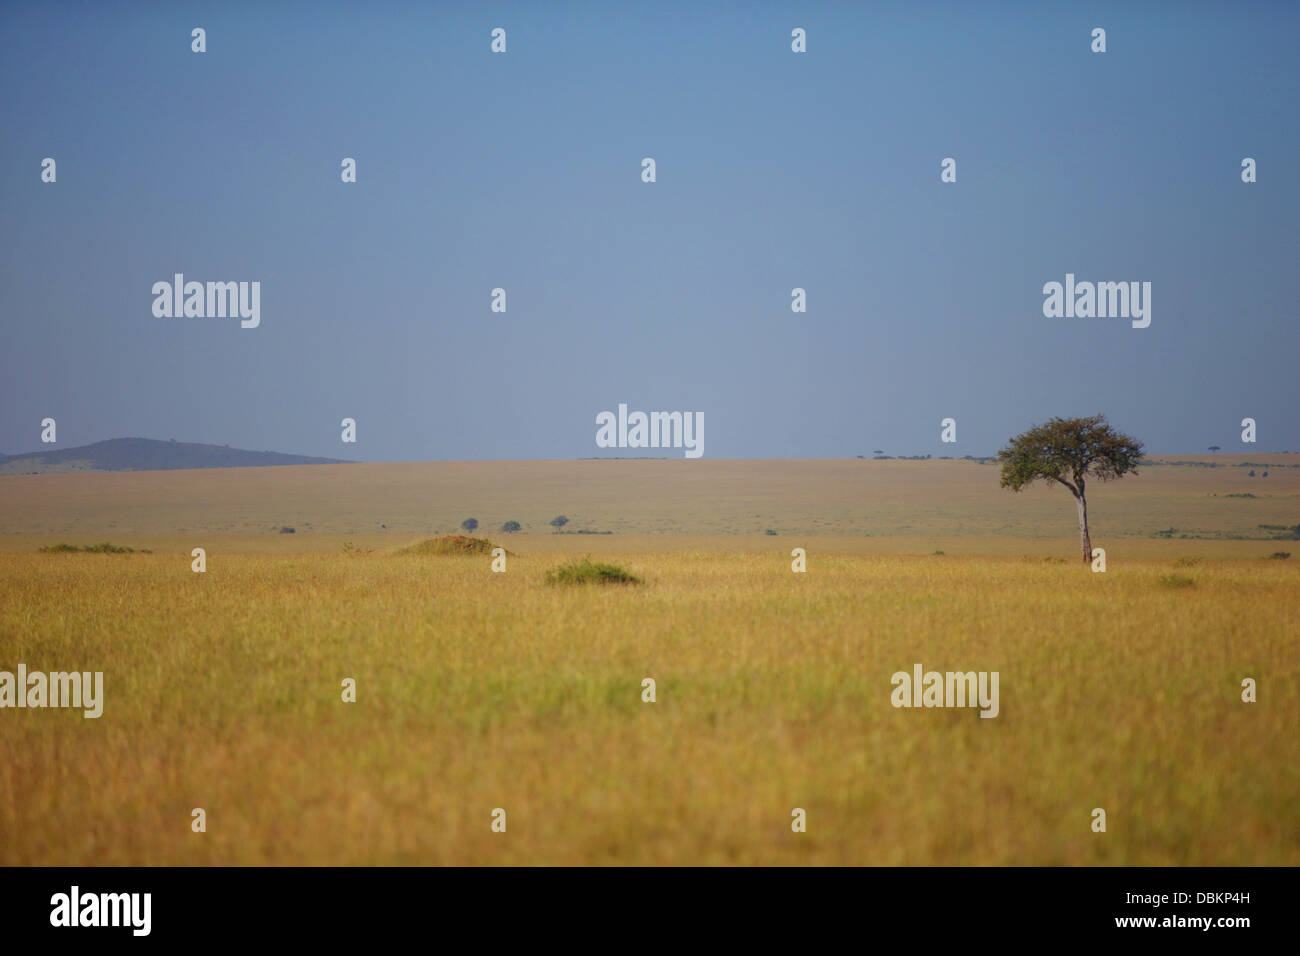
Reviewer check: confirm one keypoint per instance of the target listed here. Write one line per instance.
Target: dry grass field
(478, 690)
(706, 496)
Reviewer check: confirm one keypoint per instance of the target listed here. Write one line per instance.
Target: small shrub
(769, 531)
(101, 548)
(587, 571)
(1187, 562)
(938, 552)
(1175, 581)
(288, 530)
(1283, 555)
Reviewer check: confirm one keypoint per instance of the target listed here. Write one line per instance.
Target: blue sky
(775, 170)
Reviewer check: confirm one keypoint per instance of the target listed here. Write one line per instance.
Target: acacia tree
(1069, 451)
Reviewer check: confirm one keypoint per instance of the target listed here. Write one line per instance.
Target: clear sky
(522, 170)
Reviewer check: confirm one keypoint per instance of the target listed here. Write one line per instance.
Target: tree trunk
(1085, 542)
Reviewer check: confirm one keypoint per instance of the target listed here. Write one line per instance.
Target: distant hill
(148, 454)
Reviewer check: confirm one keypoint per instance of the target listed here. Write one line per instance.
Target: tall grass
(478, 690)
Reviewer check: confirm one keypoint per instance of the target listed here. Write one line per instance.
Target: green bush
(102, 548)
(587, 571)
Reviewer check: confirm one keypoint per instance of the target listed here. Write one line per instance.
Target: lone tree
(1214, 448)
(559, 521)
(510, 527)
(1069, 450)
(470, 525)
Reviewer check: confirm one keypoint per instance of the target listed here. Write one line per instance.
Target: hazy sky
(522, 170)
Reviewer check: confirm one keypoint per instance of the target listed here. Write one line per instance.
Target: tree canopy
(1069, 450)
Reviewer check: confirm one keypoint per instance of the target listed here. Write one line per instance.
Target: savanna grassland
(478, 690)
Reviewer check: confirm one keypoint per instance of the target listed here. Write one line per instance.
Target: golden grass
(479, 690)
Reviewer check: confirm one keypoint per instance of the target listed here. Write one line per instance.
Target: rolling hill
(147, 454)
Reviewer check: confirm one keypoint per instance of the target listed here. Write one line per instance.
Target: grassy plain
(478, 690)
(707, 496)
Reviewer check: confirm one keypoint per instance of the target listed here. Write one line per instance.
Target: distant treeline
(983, 460)
(1144, 463)
(1151, 463)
